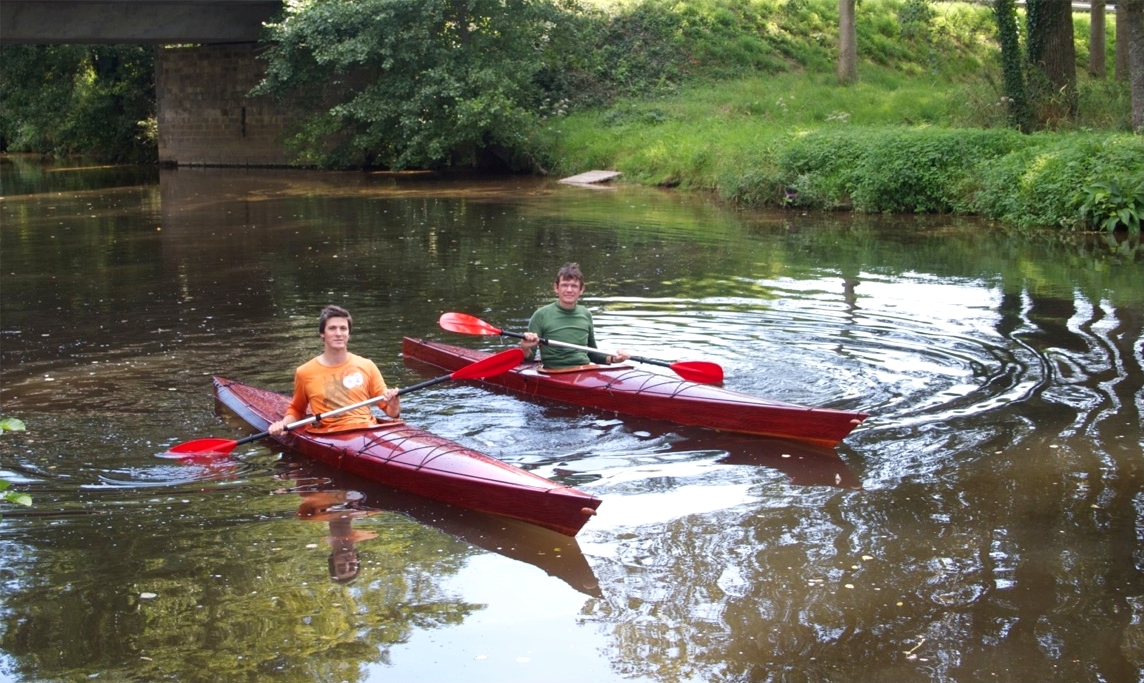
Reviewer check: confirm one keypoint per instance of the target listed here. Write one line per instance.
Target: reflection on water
(337, 508)
(337, 497)
(983, 524)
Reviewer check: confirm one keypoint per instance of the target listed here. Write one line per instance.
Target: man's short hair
(333, 311)
(570, 271)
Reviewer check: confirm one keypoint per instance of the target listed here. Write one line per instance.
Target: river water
(986, 523)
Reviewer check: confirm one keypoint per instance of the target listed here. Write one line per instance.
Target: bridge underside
(48, 22)
(206, 62)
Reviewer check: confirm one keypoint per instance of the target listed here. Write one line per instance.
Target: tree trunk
(1121, 56)
(1014, 99)
(1052, 56)
(847, 43)
(1134, 23)
(461, 8)
(1096, 47)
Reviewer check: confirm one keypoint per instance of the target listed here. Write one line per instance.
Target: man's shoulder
(555, 308)
(361, 361)
(545, 311)
(309, 366)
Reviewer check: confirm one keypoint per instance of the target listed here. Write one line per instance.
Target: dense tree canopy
(90, 99)
(417, 83)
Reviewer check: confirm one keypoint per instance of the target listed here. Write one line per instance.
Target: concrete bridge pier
(206, 115)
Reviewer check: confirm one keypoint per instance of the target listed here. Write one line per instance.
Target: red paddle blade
(495, 364)
(203, 447)
(466, 324)
(700, 371)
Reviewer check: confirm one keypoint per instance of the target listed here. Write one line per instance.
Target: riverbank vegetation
(94, 100)
(926, 128)
(894, 147)
(738, 97)
(945, 109)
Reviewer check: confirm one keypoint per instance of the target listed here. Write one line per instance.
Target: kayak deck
(626, 390)
(417, 461)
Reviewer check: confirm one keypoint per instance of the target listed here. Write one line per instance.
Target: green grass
(695, 136)
(920, 82)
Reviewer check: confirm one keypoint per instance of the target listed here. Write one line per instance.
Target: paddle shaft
(344, 409)
(705, 372)
(493, 365)
(589, 349)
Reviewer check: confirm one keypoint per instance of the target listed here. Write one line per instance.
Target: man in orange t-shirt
(337, 378)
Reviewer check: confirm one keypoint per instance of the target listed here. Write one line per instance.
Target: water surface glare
(986, 523)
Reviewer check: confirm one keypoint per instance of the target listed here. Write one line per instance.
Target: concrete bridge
(206, 62)
(156, 22)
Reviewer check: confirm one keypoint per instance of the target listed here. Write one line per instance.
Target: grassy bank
(922, 131)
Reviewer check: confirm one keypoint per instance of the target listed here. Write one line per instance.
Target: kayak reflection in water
(336, 507)
(565, 320)
(337, 378)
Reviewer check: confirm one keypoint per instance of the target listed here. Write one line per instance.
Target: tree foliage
(97, 100)
(416, 83)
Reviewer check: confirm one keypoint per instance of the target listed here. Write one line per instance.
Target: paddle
(703, 372)
(486, 367)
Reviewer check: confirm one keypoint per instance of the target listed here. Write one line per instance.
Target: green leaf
(18, 498)
(11, 424)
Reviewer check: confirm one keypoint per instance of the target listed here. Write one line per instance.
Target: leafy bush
(901, 170)
(819, 168)
(64, 99)
(1112, 203)
(1023, 180)
(411, 83)
(922, 170)
(1036, 184)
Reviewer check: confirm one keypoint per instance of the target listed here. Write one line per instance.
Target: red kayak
(416, 461)
(630, 391)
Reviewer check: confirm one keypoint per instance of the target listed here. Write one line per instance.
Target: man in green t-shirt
(565, 320)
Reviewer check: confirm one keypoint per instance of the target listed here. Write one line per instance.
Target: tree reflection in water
(983, 524)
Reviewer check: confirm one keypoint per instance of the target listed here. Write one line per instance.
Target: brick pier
(206, 115)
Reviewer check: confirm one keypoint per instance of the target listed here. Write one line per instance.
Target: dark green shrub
(818, 169)
(97, 100)
(897, 170)
(1037, 184)
(922, 170)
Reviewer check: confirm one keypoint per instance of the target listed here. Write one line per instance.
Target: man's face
(568, 292)
(337, 333)
(344, 563)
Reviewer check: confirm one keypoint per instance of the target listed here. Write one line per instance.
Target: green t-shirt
(570, 326)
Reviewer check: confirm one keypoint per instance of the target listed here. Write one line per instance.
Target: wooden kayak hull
(627, 390)
(413, 460)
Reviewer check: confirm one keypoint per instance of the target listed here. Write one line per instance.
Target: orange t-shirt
(318, 389)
